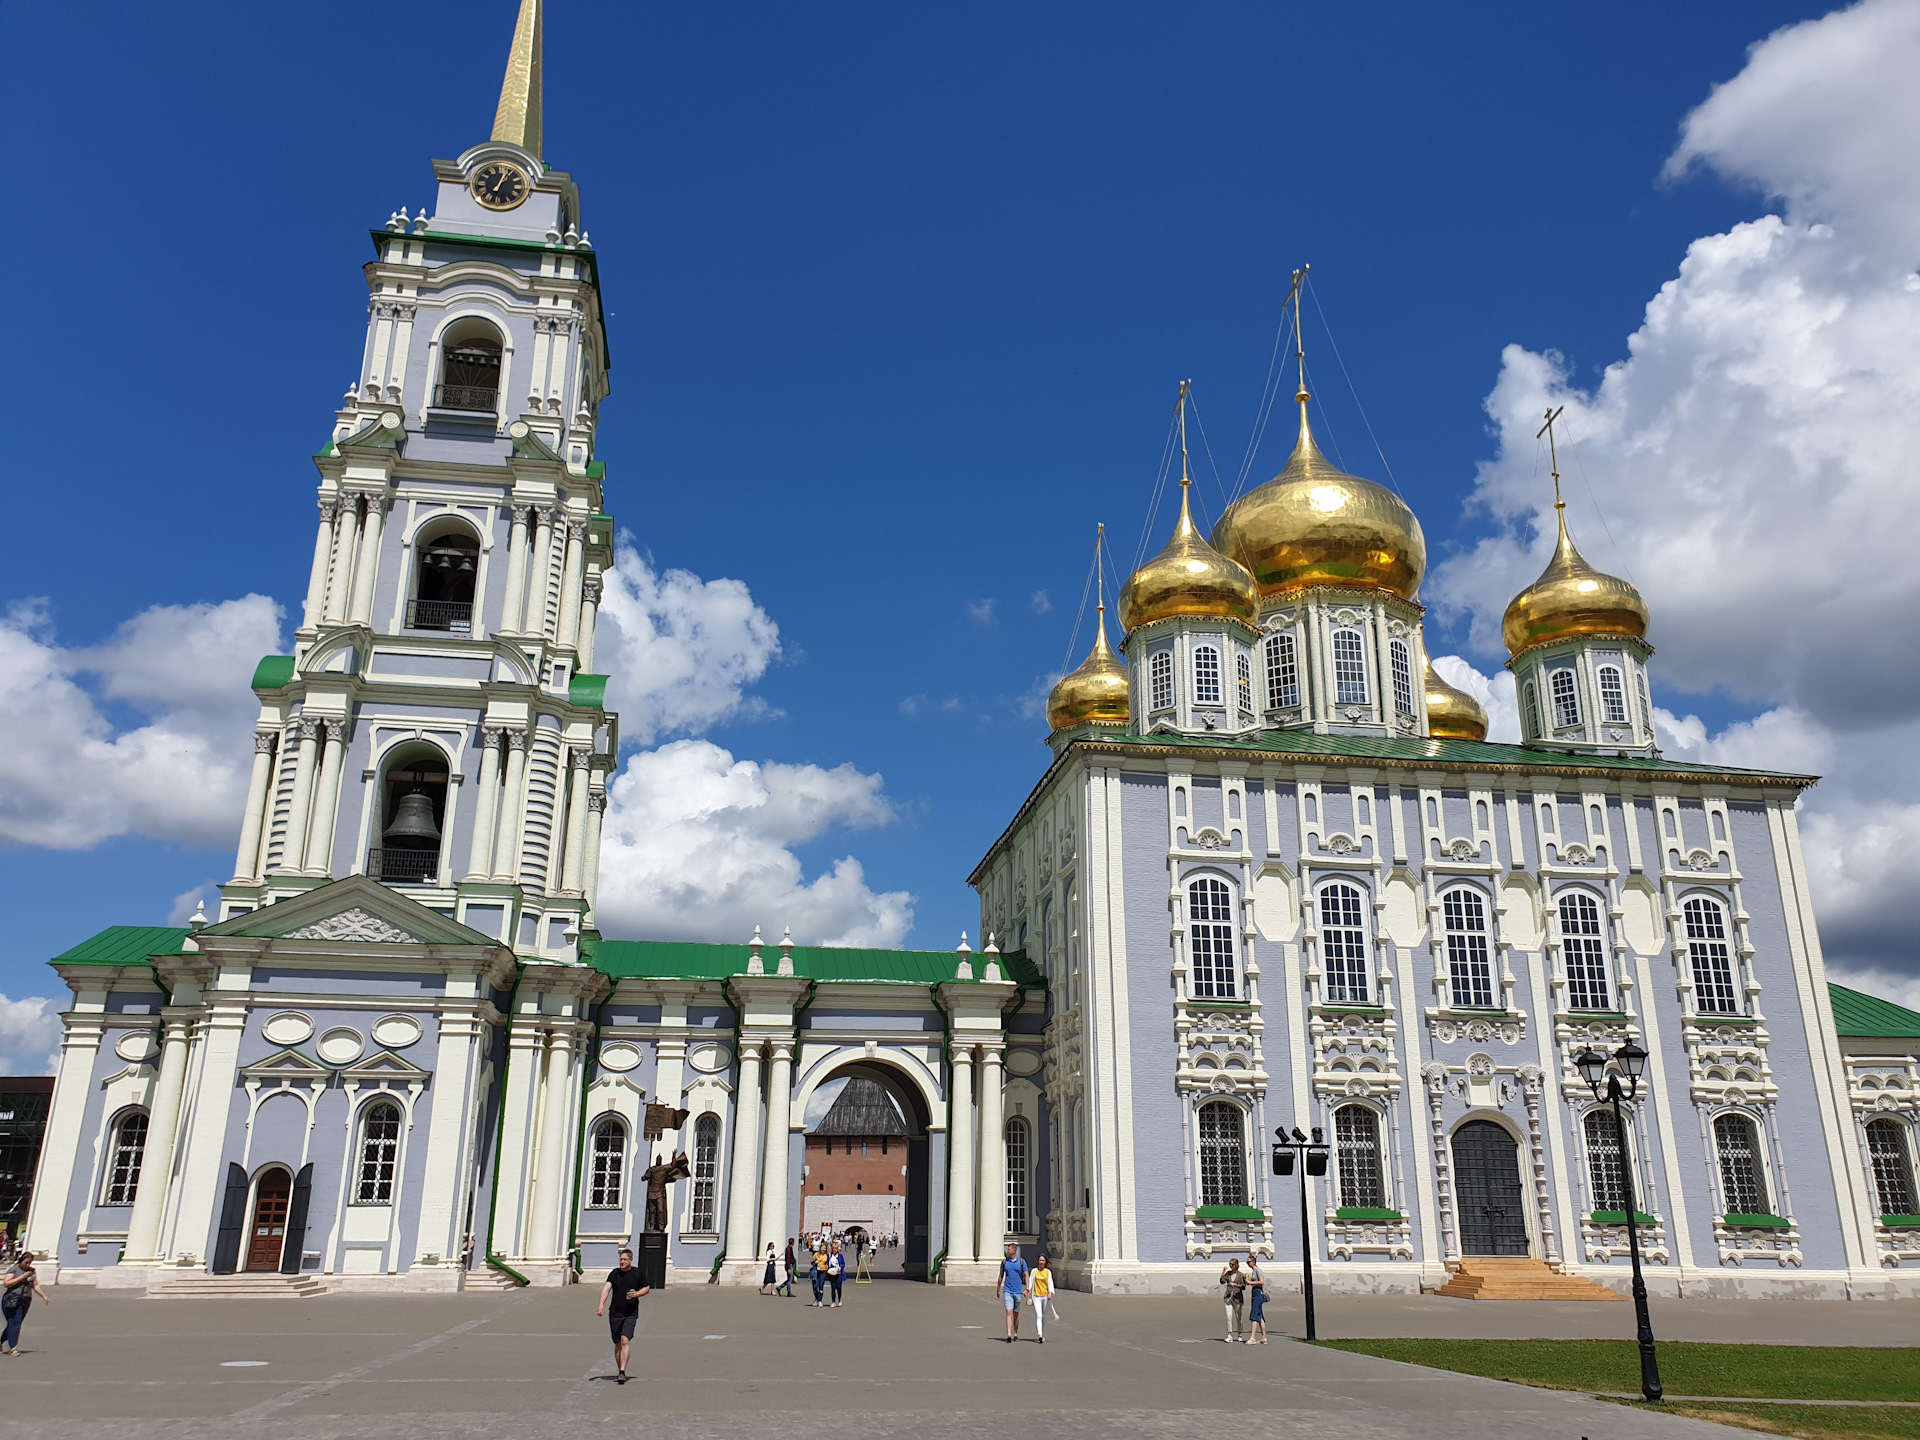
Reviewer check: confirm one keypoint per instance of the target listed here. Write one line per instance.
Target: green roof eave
(274, 672)
(829, 964)
(588, 691)
(1868, 1017)
(126, 945)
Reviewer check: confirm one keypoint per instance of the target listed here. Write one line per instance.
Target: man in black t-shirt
(620, 1303)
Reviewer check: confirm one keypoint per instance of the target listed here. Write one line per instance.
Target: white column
(293, 845)
(369, 567)
(516, 601)
(539, 573)
(544, 1240)
(480, 857)
(589, 621)
(993, 1155)
(960, 1167)
(326, 800)
(322, 554)
(156, 1165)
(462, 1036)
(596, 813)
(773, 1175)
(746, 1141)
(246, 864)
(570, 585)
(343, 547)
(576, 857)
(66, 1118)
(506, 854)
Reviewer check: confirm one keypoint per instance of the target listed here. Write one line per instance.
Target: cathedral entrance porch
(1487, 1166)
(267, 1235)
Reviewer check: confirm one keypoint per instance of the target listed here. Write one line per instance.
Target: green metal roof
(1870, 1017)
(588, 691)
(126, 945)
(273, 672)
(681, 960)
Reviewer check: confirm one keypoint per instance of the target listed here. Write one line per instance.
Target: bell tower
(440, 726)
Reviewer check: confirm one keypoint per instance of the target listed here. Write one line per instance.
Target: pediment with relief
(354, 924)
(353, 911)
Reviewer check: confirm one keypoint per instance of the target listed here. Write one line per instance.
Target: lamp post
(1632, 1060)
(1313, 1158)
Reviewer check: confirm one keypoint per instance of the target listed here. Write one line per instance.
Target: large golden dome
(1451, 714)
(1570, 599)
(1315, 525)
(1096, 693)
(1189, 577)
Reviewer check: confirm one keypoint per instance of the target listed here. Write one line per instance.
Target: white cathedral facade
(1274, 877)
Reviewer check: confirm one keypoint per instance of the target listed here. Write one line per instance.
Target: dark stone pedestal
(652, 1259)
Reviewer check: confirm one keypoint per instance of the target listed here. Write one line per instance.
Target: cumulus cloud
(1494, 692)
(29, 1035)
(1745, 462)
(1041, 603)
(983, 610)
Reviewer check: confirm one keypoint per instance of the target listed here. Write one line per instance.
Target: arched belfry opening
(446, 566)
(866, 1165)
(412, 817)
(470, 354)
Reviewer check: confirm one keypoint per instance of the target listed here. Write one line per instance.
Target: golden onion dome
(1096, 693)
(1571, 599)
(1315, 525)
(1189, 577)
(1452, 714)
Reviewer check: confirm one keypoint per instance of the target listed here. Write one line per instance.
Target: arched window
(1566, 703)
(1160, 675)
(1613, 695)
(443, 583)
(1283, 673)
(1243, 674)
(1465, 915)
(1710, 957)
(1646, 705)
(1223, 1154)
(413, 802)
(129, 1148)
(1402, 677)
(706, 1174)
(1343, 945)
(379, 1154)
(609, 1164)
(1743, 1184)
(1356, 1139)
(1019, 1182)
(1206, 676)
(1892, 1166)
(1530, 712)
(1582, 952)
(1210, 939)
(470, 369)
(1606, 1161)
(1349, 668)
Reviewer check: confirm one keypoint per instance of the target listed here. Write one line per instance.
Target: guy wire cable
(1159, 488)
(1269, 395)
(1073, 640)
(1320, 310)
(1218, 483)
(1618, 554)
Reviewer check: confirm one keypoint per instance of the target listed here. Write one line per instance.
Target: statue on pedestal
(658, 1176)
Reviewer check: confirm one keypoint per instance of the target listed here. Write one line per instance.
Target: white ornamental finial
(199, 920)
(964, 970)
(755, 966)
(992, 973)
(786, 952)
(420, 222)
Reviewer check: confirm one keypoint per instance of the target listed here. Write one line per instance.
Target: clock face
(499, 185)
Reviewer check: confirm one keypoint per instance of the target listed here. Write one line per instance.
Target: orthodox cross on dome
(517, 121)
(1299, 342)
(1553, 453)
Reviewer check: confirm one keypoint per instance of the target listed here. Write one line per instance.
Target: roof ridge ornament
(963, 970)
(517, 120)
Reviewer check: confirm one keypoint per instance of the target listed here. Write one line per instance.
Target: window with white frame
(1469, 966)
(1606, 1161)
(609, 1164)
(1223, 1154)
(1710, 957)
(1206, 676)
(1210, 939)
(1613, 695)
(1356, 1143)
(1243, 679)
(1566, 700)
(1530, 712)
(124, 1157)
(1583, 952)
(1283, 673)
(1343, 945)
(379, 1154)
(1402, 677)
(703, 1217)
(1019, 1180)
(1892, 1166)
(1349, 668)
(1743, 1181)
(1160, 680)
(1646, 705)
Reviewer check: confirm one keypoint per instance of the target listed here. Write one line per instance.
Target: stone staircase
(485, 1277)
(1485, 1277)
(197, 1286)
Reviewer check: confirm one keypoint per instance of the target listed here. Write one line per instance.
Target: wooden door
(267, 1237)
(1486, 1167)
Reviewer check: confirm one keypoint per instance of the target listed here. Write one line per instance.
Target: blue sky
(900, 299)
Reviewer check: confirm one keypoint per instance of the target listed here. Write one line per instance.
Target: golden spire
(517, 121)
(1096, 693)
(1300, 357)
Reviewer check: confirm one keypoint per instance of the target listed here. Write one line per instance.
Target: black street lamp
(1593, 1069)
(1313, 1154)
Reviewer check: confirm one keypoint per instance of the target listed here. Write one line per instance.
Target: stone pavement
(897, 1359)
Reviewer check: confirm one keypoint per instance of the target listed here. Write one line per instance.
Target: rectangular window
(1283, 673)
(1605, 1167)
(1349, 668)
(1206, 676)
(1210, 939)
(1566, 705)
(1613, 695)
(706, 1172)
(1356, 1138)
(1711, 959)
(1160, 672)
(379, 1154)
(1742, 1188)
(1244, 668)
(1223, 1160)
(1582, 953)
(1402, 678)
(1019, 1210)
(129, 1148)
(1892, 1171)
(1532, 713)
(1467, 960)
(609, 1165)
(1646, 706)
(1343, 943)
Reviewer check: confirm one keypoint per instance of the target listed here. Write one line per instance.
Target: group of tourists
(1030, 1285)
(1235, 1285)
(818, 1259)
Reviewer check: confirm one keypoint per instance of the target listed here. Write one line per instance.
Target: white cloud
(29, 1035)
(1041, 603)
(1494, 692)
(699, 846)
(186, 903)
(983, 610)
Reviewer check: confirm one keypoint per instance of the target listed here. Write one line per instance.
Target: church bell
(413, 822)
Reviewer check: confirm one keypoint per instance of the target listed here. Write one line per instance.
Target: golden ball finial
(1094, 694)
(1189, 577)
(1572, 599)
(1452, 714)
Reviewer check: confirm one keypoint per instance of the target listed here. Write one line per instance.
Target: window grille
(1613, 695)
(1402, 677)
(1566, 703)
(1606, 1160)
(1742, 1186)
(1210, 939)
(1160, 669)
(1532, 713)
(1223, 1158)
(1712, 960)
(129, 1149)
(1343, 944)
(1349, 668)
(1892, 1168)
(609, 1165)
(1206, 676)
(1356, 1138)
(379, 1154)
(706, 1171)
(1582, 952)
(1283, 673)
(1019, 1206)
(1465, 914)
(1243, 667)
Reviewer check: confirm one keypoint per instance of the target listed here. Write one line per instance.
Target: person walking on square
(22, 1284)
(837, 1271)
(1040, 1287)
(620, 1303)
(819, 1260)
(768, 1279)
(1233, 1286)
(786, 1263)
(1257, 1316)
(1013, 1288)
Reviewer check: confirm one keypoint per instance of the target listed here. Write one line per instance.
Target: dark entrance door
(1486, 1167)
(267, 1238)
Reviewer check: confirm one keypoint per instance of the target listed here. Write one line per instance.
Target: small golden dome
(1571, 598)
(1315, 525)
(1096, 693)
(1189, 577)
(1451, 714)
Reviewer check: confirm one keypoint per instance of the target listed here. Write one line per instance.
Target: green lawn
(1813, 1422)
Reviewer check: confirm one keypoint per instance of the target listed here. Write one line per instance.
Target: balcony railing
(479, 398)
(454, 615)
(404, 867)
